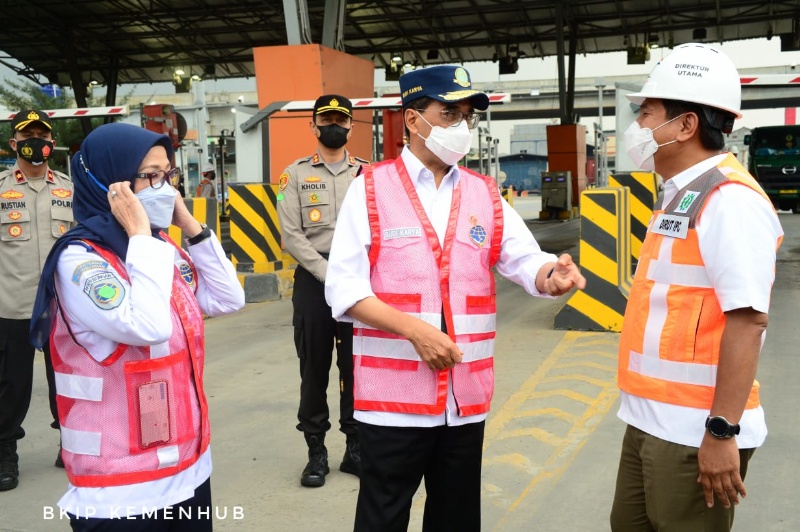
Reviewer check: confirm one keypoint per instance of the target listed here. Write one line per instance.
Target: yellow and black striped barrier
(508, 195)
(255, 231)
(643, 194)
(203, 210)
(605, 258)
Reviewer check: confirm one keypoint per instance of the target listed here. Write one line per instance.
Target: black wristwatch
(719, 427)
(199, 237)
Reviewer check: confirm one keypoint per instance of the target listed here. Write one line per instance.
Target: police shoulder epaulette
(4, 174)
(360, 160)
(303, 159)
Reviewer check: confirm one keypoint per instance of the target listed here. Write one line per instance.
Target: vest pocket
(159, 410)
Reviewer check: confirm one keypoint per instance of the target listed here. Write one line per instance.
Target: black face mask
(34, 150)
(333, 136)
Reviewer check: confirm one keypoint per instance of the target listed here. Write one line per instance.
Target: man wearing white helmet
(207, 188)
(697, 311)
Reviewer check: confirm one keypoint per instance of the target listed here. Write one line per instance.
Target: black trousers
(395, 459)
(192, 515)
(16, 378)
(315, 332)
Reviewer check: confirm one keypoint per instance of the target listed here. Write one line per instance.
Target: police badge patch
(283, 181)
(477, 233)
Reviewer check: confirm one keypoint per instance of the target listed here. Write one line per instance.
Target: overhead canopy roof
(138, 42)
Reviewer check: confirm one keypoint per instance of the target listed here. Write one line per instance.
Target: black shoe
(314, 474)
(9, 466)
(351, 463)
(59, 460)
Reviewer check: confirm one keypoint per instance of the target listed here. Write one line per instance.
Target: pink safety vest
(412, 273)
(132, 418)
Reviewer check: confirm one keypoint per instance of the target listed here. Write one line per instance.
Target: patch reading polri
(105, 290)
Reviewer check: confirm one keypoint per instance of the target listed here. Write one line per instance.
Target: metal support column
(333, 28)
(295, 14)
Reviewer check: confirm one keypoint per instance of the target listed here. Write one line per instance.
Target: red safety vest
(133, 418)
(412, 273)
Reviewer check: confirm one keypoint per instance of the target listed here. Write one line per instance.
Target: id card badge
(671, 225)
(153, 413)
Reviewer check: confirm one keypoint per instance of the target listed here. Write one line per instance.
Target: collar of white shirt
(679, 181)
(415, 167)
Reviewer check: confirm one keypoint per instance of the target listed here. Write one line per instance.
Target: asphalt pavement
(552, 438)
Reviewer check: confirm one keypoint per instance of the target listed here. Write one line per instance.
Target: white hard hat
(208, 167)
(697, 73)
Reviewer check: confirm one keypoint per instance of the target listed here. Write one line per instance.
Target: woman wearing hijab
(122, 306)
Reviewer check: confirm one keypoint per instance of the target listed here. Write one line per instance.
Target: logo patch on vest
(15, 215)
(688, 198)
(314, 215)
(477, 233)
(61, 193)
(283, 181)
(105, 290)
(15, 230)
(83, 267)
(313, 197)
(186, 273)
(402, 232)
(671, 225)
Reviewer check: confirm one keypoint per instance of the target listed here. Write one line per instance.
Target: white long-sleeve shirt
(140, 315)
(348, 275)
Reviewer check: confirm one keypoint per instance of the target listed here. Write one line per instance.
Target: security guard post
(207, 187)
(35, 209)
(311, 192)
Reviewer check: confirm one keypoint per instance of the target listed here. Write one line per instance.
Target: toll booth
(556, 196)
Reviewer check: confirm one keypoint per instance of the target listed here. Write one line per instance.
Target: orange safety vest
(670, 343)
(133, 417)
(202, 185)
(411, 272)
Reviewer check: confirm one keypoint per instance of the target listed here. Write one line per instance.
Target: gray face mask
(158, 203)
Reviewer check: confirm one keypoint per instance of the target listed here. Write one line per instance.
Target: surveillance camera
(793, 66)
(240, 99)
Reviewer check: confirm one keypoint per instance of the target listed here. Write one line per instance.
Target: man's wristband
(199, 237)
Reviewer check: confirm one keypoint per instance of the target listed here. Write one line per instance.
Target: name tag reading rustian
(671, 225)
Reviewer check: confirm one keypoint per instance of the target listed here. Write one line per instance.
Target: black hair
(420, 104)
(712, 122)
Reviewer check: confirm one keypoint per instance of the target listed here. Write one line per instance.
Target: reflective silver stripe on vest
(662, 271)
(81, 441)
(79, 387)
(670, 370)
(475, 323)
(168, 456)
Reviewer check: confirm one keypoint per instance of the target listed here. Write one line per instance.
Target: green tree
(17, 95)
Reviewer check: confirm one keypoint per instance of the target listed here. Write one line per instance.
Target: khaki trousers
(657, 488)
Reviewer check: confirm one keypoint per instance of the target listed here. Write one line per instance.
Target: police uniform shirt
(348, 280)
(311, 193)
(33, 214)
(95, 298)
(739, 255)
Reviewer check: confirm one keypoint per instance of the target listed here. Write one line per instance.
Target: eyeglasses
(453, 118)
(157, 178)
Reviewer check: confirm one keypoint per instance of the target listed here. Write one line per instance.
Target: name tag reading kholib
(402, 232)
(671, 225)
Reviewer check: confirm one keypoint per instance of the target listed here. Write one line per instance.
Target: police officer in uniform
(35, 209)
(311, 192)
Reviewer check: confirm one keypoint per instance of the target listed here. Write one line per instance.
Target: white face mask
(641, 146)
(158, 203)
(449, 144)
